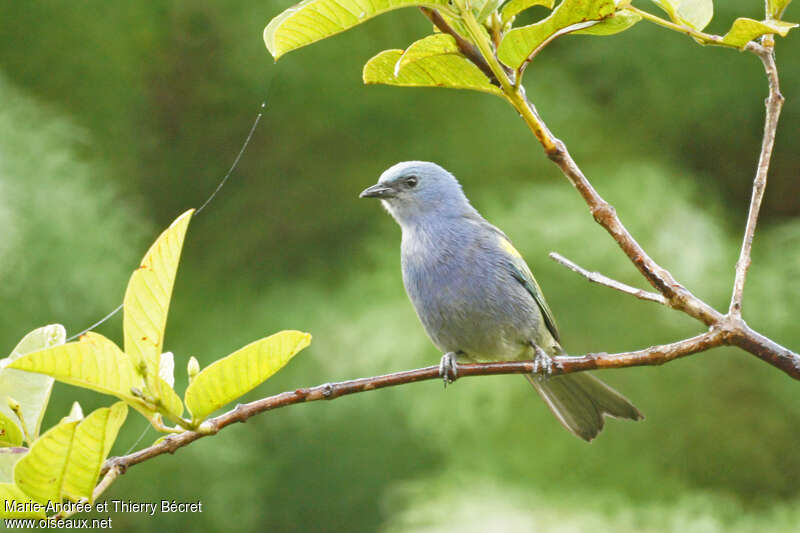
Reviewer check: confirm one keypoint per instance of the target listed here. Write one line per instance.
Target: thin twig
(600, 279)
(108, 478)
(774, 103)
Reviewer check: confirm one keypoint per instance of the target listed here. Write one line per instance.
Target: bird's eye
(411, 182)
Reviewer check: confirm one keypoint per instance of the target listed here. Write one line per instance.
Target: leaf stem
(701, 37)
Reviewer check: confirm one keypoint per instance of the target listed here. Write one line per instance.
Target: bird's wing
(522, 273)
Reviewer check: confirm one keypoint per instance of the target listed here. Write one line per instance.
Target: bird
(477, 298)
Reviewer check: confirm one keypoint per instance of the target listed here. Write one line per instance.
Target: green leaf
(570, 15)
(437, 44)
(19, 505)
(745, 30)
(147, 298)
(446, 69)
(618, 22)
(65, 462)
(515, 7)
(40, 474)
(93, 362)
(32, 391)
(9, 458)
(693, 13)
(240, 372)
(776, 8)
(313, 20)
(92, 442)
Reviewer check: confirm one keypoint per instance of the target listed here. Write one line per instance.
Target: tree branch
(676, 295)
(655, 355)
(731, 332)
(774, 103)
(600, 279)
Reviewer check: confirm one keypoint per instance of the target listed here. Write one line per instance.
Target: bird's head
(413, 190)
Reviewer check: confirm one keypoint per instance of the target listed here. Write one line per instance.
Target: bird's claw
(542, 363)
(447, 368)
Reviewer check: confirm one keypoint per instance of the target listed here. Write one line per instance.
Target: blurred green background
(115, 117)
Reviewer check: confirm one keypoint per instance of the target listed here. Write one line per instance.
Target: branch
(774, 103)
(600, 279)
(655, 355)
(676, 295)
(734, 333)
(732, 327)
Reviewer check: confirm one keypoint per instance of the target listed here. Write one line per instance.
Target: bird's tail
(580, 400)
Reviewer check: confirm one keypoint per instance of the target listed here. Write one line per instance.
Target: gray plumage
(476, 296)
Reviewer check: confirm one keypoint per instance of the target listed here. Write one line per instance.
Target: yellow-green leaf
(433, 45)
(230, 377)
(515, 7)
(147, 298)
(93, 362)
(776, 8)
(314, 20)
(168, 399)
(745, 30)
(92, 442)
(17, 504)
(618, 22)
(450, 70)
(693, 13)
(570, 15)
(32, 391)
(40, 474)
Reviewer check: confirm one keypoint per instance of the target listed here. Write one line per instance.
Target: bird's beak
(378, 190)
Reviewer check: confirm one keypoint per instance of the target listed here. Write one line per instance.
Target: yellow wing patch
(523, 273)
(508, 247)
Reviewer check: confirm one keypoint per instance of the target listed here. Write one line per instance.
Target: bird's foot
(447, 368)
(542, 363)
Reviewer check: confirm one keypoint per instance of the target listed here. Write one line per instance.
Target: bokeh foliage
(159, 96)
